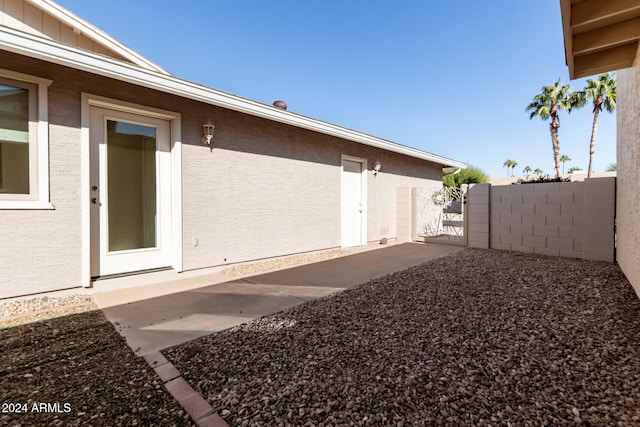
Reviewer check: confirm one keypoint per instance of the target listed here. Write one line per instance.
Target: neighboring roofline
(94, 33)
(51, 51)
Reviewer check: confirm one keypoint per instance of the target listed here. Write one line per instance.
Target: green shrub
(541, 179)
(470, 175)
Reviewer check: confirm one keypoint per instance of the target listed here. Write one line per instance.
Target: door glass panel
(131, 181)
(14, 140)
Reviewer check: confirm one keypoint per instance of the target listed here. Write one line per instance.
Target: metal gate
(440, 214)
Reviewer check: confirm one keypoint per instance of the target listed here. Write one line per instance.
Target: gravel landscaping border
(69, 367)
(27, 310)
(481, 337)
(59, 351)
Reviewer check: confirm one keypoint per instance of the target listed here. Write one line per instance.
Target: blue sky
(451, 78)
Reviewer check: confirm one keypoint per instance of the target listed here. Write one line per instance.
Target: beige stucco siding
(397, 171)
(628, 185)
(40, 249)
(262, 189)
(266, 189)
(241, 205)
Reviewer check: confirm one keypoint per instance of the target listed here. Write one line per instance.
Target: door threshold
(129, 273)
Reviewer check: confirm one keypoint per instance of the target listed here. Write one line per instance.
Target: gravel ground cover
(477, 338)
(70, 367)
(28, 310)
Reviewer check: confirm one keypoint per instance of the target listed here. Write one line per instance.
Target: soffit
(600, 35)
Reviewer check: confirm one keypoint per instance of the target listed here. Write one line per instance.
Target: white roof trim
(51, 51)
(83, 27)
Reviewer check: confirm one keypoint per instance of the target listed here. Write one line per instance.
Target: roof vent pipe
(280, 104)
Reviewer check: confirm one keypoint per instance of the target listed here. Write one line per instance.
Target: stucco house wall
(269, 189)
(262, 189)
(628, 186)
(40, 250)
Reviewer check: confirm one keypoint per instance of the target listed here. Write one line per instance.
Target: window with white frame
(24, 146)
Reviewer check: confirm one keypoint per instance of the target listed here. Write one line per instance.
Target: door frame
(174, 119)
(363, 196)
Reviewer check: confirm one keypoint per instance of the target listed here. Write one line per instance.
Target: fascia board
(51, 51)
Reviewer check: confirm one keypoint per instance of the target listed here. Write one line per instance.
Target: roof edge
(51, 51)
(94, 33)
(565, 14)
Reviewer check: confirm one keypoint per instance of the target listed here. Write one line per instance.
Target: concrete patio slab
(175, 316)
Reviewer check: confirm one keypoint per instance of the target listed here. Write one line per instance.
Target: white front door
(353, 208)
(130, 192)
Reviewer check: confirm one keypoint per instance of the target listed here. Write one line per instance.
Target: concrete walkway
(155, 317)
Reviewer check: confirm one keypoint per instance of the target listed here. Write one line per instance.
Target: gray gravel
(477, 338)
(71, 368)
(42, 307)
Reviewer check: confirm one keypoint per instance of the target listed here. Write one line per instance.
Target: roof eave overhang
(47, 50)
(600, 36)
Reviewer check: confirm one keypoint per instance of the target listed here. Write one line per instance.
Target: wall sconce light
(376, 167)
(207, 129)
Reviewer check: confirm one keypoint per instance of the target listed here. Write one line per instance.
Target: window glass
(131, 171)
(14, 140)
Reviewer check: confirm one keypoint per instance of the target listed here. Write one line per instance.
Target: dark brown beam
(607, 37)
(605, 60)
(588, 15)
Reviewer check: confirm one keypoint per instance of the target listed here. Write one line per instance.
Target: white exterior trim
(85, 194)
(175, 120)
(41, 200)
(25, 205)
(40, 48)
(176, 193)
(81, 26)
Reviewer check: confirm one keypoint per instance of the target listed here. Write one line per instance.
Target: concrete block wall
(567, 219)
(478, 223)
(599, 219)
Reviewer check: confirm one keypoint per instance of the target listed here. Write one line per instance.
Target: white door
(352, 203)
(130, 192)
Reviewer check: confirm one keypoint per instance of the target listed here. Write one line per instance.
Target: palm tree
(538, 171)
(546, 105)
(507, 163)
(564, 158)
(612, 167)
(573, 169)
(510, 164)
(603, 93)
(527, 170)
